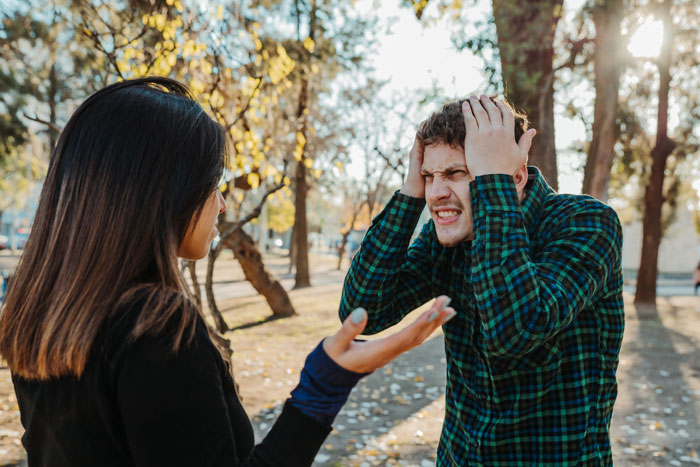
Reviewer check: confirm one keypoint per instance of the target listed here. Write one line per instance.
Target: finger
(418, 147)
(469, 119)
(414, 334)
(352, 327)
(493, 112)
(388, 348)
(508, 118)
(482, 118)
(526, 141)
(442, 302)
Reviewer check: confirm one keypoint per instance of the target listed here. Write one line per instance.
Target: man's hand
(414, 185)
(489, 145)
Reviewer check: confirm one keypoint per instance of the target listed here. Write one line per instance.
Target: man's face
(447, 193)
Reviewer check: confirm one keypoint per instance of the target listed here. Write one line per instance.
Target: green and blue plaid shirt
(533, 350)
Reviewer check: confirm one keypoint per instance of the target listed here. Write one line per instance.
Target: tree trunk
(52, 100)
(248, 256)
(653, 197)
(303, 277)
(607, 67)
(192, 268)
(341, 248)
(221, 325)
(525, 33)
(292, 250)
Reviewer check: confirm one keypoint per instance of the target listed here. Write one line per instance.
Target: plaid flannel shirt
(533, 350)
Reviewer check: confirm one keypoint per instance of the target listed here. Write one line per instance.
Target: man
(535, 278)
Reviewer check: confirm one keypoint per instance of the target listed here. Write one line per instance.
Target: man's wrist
(412, 191)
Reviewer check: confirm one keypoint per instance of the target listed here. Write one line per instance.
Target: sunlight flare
(647, 39)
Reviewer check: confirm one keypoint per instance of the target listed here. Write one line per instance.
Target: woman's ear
(520, 178)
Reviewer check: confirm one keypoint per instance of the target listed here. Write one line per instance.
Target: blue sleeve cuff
(324, 386)
(326, 369)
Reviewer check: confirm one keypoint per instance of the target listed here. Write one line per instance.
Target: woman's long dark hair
(129, 175)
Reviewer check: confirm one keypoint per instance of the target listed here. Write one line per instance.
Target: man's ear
(520, 178)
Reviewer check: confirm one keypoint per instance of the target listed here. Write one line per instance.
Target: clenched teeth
(447, 213)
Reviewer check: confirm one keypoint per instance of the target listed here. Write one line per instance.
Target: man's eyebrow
(449, 168)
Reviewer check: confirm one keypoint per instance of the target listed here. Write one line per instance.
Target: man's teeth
(447, 213)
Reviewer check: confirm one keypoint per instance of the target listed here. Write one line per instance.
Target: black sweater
(138, 404)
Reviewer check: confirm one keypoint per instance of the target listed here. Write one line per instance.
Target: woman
(111, 361)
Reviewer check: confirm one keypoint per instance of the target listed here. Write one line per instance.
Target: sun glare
(647, 39)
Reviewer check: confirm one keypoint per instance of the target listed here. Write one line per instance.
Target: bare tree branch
(253, 214)
(52, 126)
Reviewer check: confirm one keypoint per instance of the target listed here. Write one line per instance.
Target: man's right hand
(414, 186)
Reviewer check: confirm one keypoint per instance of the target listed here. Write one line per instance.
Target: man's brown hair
(447, 125)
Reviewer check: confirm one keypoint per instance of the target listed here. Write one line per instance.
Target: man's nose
(439, 189)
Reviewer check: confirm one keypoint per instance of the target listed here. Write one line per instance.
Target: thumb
(526, 140)
(352, 326)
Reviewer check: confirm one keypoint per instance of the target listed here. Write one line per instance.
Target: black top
(138, 404)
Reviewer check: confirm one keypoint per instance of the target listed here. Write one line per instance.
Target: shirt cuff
(324, 386)
(324, 368)
(494, 192)
(401, 214)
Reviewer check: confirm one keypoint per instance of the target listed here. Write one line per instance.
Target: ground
(394, 416)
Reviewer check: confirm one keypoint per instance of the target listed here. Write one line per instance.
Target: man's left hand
(490, 146)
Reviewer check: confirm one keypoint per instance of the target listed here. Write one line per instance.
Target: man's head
(446, 174)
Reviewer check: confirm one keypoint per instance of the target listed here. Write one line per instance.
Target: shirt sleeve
(324, 386)
(523, 303)
(387, 277)
(174, 411)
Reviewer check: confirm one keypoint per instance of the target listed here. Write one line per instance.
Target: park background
(320, 100)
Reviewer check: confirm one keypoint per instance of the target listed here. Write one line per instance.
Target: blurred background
(320, 100)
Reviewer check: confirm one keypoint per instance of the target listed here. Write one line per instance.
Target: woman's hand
(365, 357)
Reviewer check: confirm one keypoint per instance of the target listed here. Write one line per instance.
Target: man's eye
(427, 176)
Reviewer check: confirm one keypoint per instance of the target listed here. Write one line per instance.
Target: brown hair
(129, 175)
(447, 125)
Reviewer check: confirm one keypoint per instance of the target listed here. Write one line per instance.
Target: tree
(526, 48)
(353, 203)
(235, 70)
(45, 70)
(673, 56)
(327, 40)
(608, 65)
(245, 251)
(522, 35)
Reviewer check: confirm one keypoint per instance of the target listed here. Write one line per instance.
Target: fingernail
(446, 304)
(450, 316)
(358, 315)
(432, 316)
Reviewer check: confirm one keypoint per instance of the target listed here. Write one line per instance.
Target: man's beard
(453, 243)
